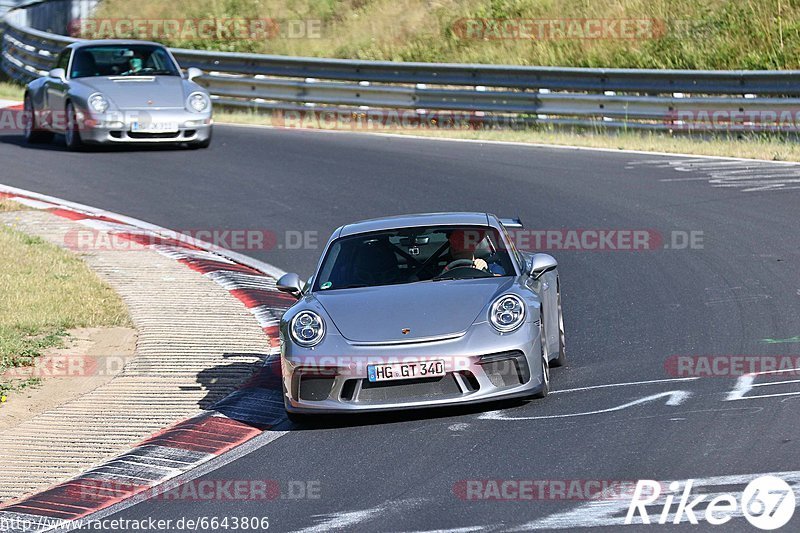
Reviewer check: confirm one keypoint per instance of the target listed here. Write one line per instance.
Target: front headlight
(98, 103)
(507, 313)
(198, 102)
(307, 329)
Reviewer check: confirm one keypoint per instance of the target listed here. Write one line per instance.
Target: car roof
(111, 42)
(421, 219)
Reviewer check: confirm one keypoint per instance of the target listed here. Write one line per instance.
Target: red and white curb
(177, 449)
(10, 104)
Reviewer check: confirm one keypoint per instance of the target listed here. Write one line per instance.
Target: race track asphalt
(626, 313)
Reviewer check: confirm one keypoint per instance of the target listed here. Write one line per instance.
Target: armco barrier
(627, 98)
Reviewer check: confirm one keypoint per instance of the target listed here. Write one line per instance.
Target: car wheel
(561, 360)
(545, 390)
(72, 134)
(32, 132)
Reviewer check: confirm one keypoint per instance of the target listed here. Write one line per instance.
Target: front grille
(409, 390)
(141, 135)
(315, 388)
(506, 369)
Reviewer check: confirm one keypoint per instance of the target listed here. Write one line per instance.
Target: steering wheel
(459, 263)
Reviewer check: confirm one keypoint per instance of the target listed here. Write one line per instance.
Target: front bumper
(480, 366)
(119, 127)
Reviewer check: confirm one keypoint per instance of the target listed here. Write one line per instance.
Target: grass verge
(46, 292)
(11, 91)
(715, 34)
(771, 147)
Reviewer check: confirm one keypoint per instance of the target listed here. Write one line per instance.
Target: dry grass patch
(716, 34)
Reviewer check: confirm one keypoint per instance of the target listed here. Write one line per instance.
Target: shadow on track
(252, 393)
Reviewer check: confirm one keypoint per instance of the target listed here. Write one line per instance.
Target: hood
(136, 93)
(428, 309)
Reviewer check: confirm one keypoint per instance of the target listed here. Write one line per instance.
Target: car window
(409, 255)
(63, 60)
(123, 60)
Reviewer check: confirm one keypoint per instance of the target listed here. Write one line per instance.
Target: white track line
(628, 384)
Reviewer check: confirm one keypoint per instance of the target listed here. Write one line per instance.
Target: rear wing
(514, 223)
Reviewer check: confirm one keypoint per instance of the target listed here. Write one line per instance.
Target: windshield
(409, 255)
(123, 60)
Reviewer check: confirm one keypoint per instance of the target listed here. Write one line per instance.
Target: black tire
(32, 133)
(72, 135)
(545, 390)
(561, 360)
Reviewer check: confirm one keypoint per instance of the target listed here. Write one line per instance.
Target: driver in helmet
(135, 63)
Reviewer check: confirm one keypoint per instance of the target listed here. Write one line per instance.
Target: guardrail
(629, 98)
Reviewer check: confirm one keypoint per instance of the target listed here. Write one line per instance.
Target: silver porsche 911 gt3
(118, 91)
(419, 311)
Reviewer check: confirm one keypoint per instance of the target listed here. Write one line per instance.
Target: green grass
(11, 91)
(46, 292)
(716, 34)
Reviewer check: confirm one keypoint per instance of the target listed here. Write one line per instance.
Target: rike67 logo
(767, 503)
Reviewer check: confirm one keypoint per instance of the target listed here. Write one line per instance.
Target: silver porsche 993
(420, 311)
(117, 92)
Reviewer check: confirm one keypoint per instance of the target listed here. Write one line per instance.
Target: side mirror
(193, 72)
(291, 284)
(58, 73)
(541, 263)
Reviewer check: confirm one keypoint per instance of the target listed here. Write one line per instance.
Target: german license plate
(154, 127)
(414, 370)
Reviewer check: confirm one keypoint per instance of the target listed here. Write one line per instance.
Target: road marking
(676, 397)
(745, 384)
(789, 340)
(747, 175)
(776, 383)
(346, 520)
(627, 384)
